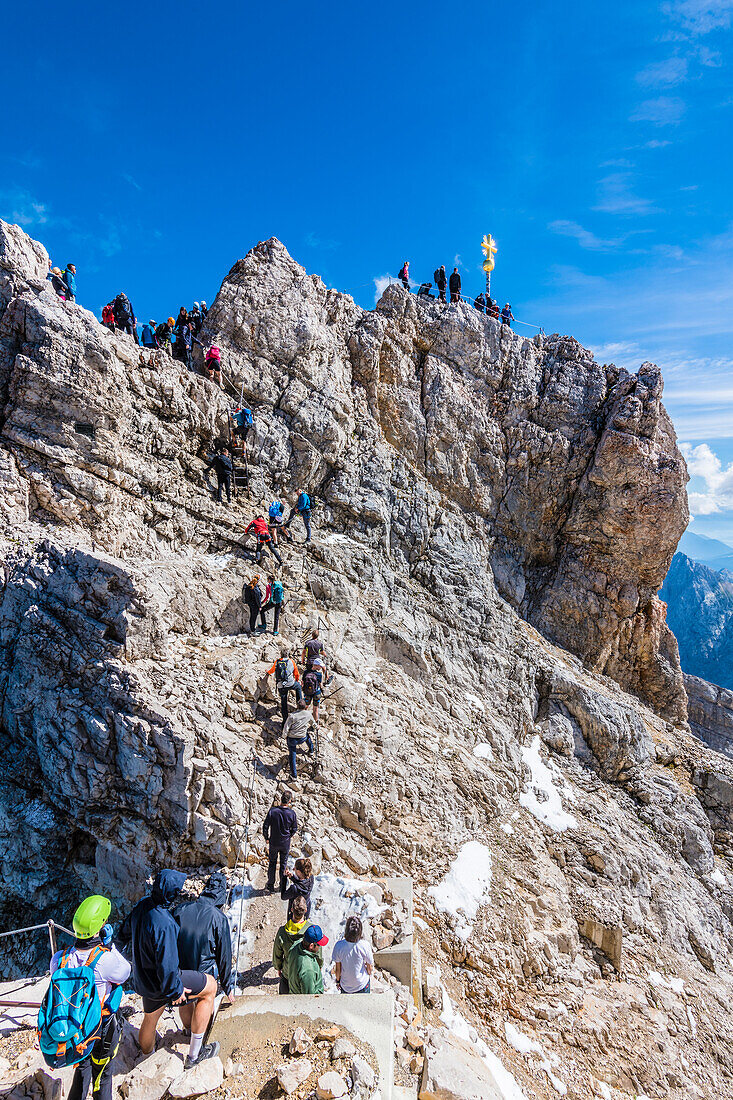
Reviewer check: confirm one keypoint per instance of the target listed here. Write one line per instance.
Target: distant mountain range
(699, 598)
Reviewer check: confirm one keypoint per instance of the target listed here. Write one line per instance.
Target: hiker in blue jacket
(204, 938)
(151, 934)
(69, 277)
(148, 339)
(274, 603)
(302, 508)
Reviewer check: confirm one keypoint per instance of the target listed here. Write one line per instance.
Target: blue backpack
(303, 503)
(277, 592)
(70, 1016)
(276, 509)
(247, 418)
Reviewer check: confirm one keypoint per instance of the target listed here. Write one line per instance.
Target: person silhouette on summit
(70, 280)
(507, 316)
(454, 285)
(479, 302)
(404, 275)
(440, 280)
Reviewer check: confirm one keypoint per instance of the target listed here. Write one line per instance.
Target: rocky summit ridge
(495, 517)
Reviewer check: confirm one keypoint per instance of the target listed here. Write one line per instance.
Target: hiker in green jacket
(304, 972)
(287, 936)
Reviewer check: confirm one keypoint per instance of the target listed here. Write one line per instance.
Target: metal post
(244, 866)
(52, 936)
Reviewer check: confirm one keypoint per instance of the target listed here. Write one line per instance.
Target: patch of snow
(483, 750)
(459, 1026)
(677, 985)
(465, 887)
(506, 828)
(420, 923)
(239, 903)
(519, 1040)
(333, 899)
(549, 808)
(605, 1090)
(718, 876)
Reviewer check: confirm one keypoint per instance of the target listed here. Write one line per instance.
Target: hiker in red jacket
(264, 539)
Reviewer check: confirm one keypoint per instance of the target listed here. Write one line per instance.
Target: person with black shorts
(150, 935)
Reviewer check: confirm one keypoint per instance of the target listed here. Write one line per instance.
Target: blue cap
(314, 934)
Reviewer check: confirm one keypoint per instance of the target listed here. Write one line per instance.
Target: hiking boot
(209, 1051)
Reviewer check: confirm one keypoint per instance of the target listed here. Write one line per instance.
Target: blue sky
(155, 144)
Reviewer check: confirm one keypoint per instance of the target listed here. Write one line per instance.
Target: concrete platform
(368, 1016)
(397, 960)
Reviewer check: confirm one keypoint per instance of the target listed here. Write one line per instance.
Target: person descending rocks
(302, 508)
(253, 599)
(304, 971)
(404, 275)
(354, 959)
(223, 468)
(297, 732)
(454, 285)
(479, 302)
(441, 282)
(152, 936)
(278, 829)
(148, 338)
(507, 316)
(287, 679)
(276, 517)
(243, 420)
(108, 316)
(298, 883)
(92, 948)
(205, 939)
(69, 278)
(265, 541)
(212, 364)
(287, 936)
(124, 314)
(274, 601)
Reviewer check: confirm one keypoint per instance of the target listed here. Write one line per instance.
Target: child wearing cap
(304, 971)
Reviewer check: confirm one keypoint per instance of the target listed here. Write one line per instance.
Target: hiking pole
(244, 861)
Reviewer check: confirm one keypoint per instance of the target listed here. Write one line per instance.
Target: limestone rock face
(493, 518)
(454, 1071)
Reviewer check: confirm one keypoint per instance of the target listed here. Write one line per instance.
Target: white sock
(195, 1047)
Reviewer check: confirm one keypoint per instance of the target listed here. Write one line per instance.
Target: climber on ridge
(93, 947)
(454, 286)
(164, 334)
(440, 280)
(302, 508)
(264, 538)
(124, 314)
(147, 336)
(152, 935)
(204, 938)
(507, 316)
(69, 278)
(479, 302)
(404, 275)
(278, 829)
(287, 679)
(274, 600)
(297, 732)
(424, 290)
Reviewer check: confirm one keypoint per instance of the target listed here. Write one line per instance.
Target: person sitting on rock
(286, 937)
(287, 679)
(253, 599)
(353, 959)
(304, 971)
(265, 541)
(278, 829)
(152, 936)
(507, 316)
(479, 302)
(424, 290)
(93, 947)
(302, 508)
(212, 364)
(297, 732)
(274, 601)
(205, 939)
(298, 883)
(223, 469)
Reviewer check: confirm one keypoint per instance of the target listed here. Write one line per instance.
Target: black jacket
(204, 939)
(149, 938)
(279, 826)
(440, 280)
(454, 283)
(297, 888)
(253, 596)
(222, 465)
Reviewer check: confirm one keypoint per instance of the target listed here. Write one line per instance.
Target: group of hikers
(307, 689)
(177, 953)
(63, 282)
(482, 302)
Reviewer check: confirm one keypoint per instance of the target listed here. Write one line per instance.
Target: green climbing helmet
(91, 916)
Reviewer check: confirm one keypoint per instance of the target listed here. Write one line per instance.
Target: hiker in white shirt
(353, 958)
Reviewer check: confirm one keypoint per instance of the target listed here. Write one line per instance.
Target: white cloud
(21, 208)
(665, 110)
(616, 196)
(655, 143)
(381, 282)
(584, 237)
(699, 17)
(717, 487)
(663, 73)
